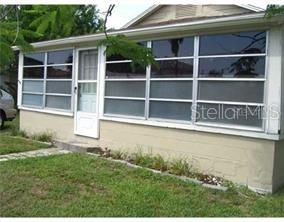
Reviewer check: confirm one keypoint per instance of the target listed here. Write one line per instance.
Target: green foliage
(20, 25)
(43, 137)
(180, 167)
(273, 10)
(121, 45)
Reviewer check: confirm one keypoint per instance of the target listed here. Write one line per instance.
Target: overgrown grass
(78, 185)
(13, 140)
(178, 166)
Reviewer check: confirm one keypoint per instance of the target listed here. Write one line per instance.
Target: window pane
(173, 47)
(182, 68)
(88, 65)
(87, 97)
(34, 59)
(235, 43)
(232, 67)
(33, 86)
(125, 89)
(125, 107)
(33, 73)
(171, 89)
(60, 57)
(231, 91)
(32, 100)
(230, 114)
(124, 70)
(118, 57)
(170, 110)
(62, 87)
(58, 102)
(59, 72)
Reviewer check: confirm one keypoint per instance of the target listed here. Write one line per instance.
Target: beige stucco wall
(242, 160)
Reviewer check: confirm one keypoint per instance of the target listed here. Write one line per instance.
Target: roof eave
(217, 22)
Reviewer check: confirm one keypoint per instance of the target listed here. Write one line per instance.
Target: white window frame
(43, 108)
(193, 125)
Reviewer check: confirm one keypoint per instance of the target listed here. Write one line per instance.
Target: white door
(86, 109)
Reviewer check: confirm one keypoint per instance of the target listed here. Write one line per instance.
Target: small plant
(118, 155)
(159, 163)
(145, 160)
(43, 137)
(180, 167)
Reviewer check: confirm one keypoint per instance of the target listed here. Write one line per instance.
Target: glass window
(125, 89)
(58, 102)
(88, 65)
(173, 47)
(34, 59)
(59, 72)
(36, 91)
(170, 110)
(171, 89)
(60, 87)
(125, 107)
(33, 73)
(230, 114)
(235, 43)
(87, 97)
(32, 100)
(33, 86)
(60, 57)
(182, 68)
(232, 67)
(124, 70)
(238, 91)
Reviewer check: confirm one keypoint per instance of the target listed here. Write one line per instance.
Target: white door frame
(77, 51)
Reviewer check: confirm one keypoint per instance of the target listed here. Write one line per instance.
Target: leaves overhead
(273, 10)
(121, 45)
(20, 25)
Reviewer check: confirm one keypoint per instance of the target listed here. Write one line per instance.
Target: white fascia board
(208, 23)
(141, 16)
(251, 7)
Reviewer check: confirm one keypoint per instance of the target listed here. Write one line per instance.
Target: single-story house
(216, 96)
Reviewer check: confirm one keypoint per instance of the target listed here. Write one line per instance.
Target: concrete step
(76, 146)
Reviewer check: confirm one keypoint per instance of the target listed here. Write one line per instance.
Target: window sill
(251, 132)
(55, 112)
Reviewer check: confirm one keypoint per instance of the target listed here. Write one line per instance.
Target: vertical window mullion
(147, 91)
(44, 80)
(195, 79)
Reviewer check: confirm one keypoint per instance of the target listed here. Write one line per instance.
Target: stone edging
(184, 178)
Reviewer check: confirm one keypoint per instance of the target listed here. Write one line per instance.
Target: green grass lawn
(11, 144)
(83, 185)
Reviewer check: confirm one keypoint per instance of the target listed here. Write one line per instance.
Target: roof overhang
(252, 20)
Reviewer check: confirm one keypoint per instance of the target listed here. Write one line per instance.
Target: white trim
(231, 55)
(175, 58)
(46, 111)
(171, 79)
(148, 86)
(229, 103)
(233, 132)
(20, 79)
(63, 64)
(59, 94)
(118, 61)
(171, 100)
(195, 79)
(124, 98)
(251, 7)
(32, 93)
(124, 80)
(232, 79)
